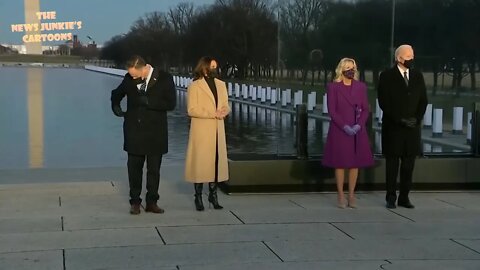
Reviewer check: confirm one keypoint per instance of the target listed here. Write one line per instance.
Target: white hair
(401, 48)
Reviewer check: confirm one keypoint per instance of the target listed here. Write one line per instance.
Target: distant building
(74, 45)
(21, 49)
(76, 42)
(50, 50)
(3, 50)
(92, 45)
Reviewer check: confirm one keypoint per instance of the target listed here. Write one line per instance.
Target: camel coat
(204, 127)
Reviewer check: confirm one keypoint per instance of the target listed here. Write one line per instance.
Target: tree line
(304, 39)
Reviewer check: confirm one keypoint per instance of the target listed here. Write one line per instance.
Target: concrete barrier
(457, 127)
(469, 127)
(284, 98)
(273, 97)
(437, 128)
(263, 95)
(230, 89)
(237, 90)
(325, 104)
(311, 101)
(289, 96)
(111, 71)
(428, 117)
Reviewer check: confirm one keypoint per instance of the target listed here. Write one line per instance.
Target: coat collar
(153, 78)
(204, 86)
(219, 84)
(349, 96)
(399, 76)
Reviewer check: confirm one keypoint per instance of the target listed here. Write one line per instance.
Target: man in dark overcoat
(403, 99)
(150, 94)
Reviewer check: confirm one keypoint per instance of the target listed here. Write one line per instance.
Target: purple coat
(347, 105)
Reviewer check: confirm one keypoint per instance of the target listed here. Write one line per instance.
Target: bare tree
(181, 17)
(300, 22)
(153, 36)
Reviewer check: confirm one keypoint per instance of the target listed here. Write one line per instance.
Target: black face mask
(349, 74)
(212, 73)
(408, 63)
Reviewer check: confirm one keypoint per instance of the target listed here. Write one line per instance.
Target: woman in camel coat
(207, 104)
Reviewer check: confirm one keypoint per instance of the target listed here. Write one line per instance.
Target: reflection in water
(252, 129)
(312, 124)
(427, 148)
(63, 120)
(378, 142)
(35, 116)
(325, 127)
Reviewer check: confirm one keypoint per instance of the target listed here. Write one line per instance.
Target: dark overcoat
(145, 126)
(399, 100)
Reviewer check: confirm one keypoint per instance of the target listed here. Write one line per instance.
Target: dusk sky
(101, 19)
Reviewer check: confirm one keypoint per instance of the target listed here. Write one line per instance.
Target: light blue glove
(356, 128)
(348, 130)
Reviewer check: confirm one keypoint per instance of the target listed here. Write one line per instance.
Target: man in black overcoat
(150, 94)
(402, 97)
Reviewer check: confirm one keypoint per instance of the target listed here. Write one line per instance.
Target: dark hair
(135, 61)
(202, 66)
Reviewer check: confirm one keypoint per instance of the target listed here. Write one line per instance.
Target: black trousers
(135, 165)
(406, 165)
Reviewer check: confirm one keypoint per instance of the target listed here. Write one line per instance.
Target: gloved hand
(409, 122)
(117, 110)
(356, 128)
(348, 130)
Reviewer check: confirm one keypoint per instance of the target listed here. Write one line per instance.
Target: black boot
(212, 196)
(198, 196)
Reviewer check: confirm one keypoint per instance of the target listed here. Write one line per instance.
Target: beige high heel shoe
(341, 201)
(352, 201)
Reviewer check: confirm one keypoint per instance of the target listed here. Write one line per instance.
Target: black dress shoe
(391, 205)
(406, 204)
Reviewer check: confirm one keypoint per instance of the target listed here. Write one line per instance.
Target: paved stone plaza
(78, 219)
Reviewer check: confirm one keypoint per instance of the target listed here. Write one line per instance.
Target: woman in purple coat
(347, 147)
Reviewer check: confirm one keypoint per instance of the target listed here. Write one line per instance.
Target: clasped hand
(409, 122)
(351, 130)
(221, 113)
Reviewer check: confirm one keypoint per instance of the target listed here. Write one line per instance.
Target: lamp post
(392, 32)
